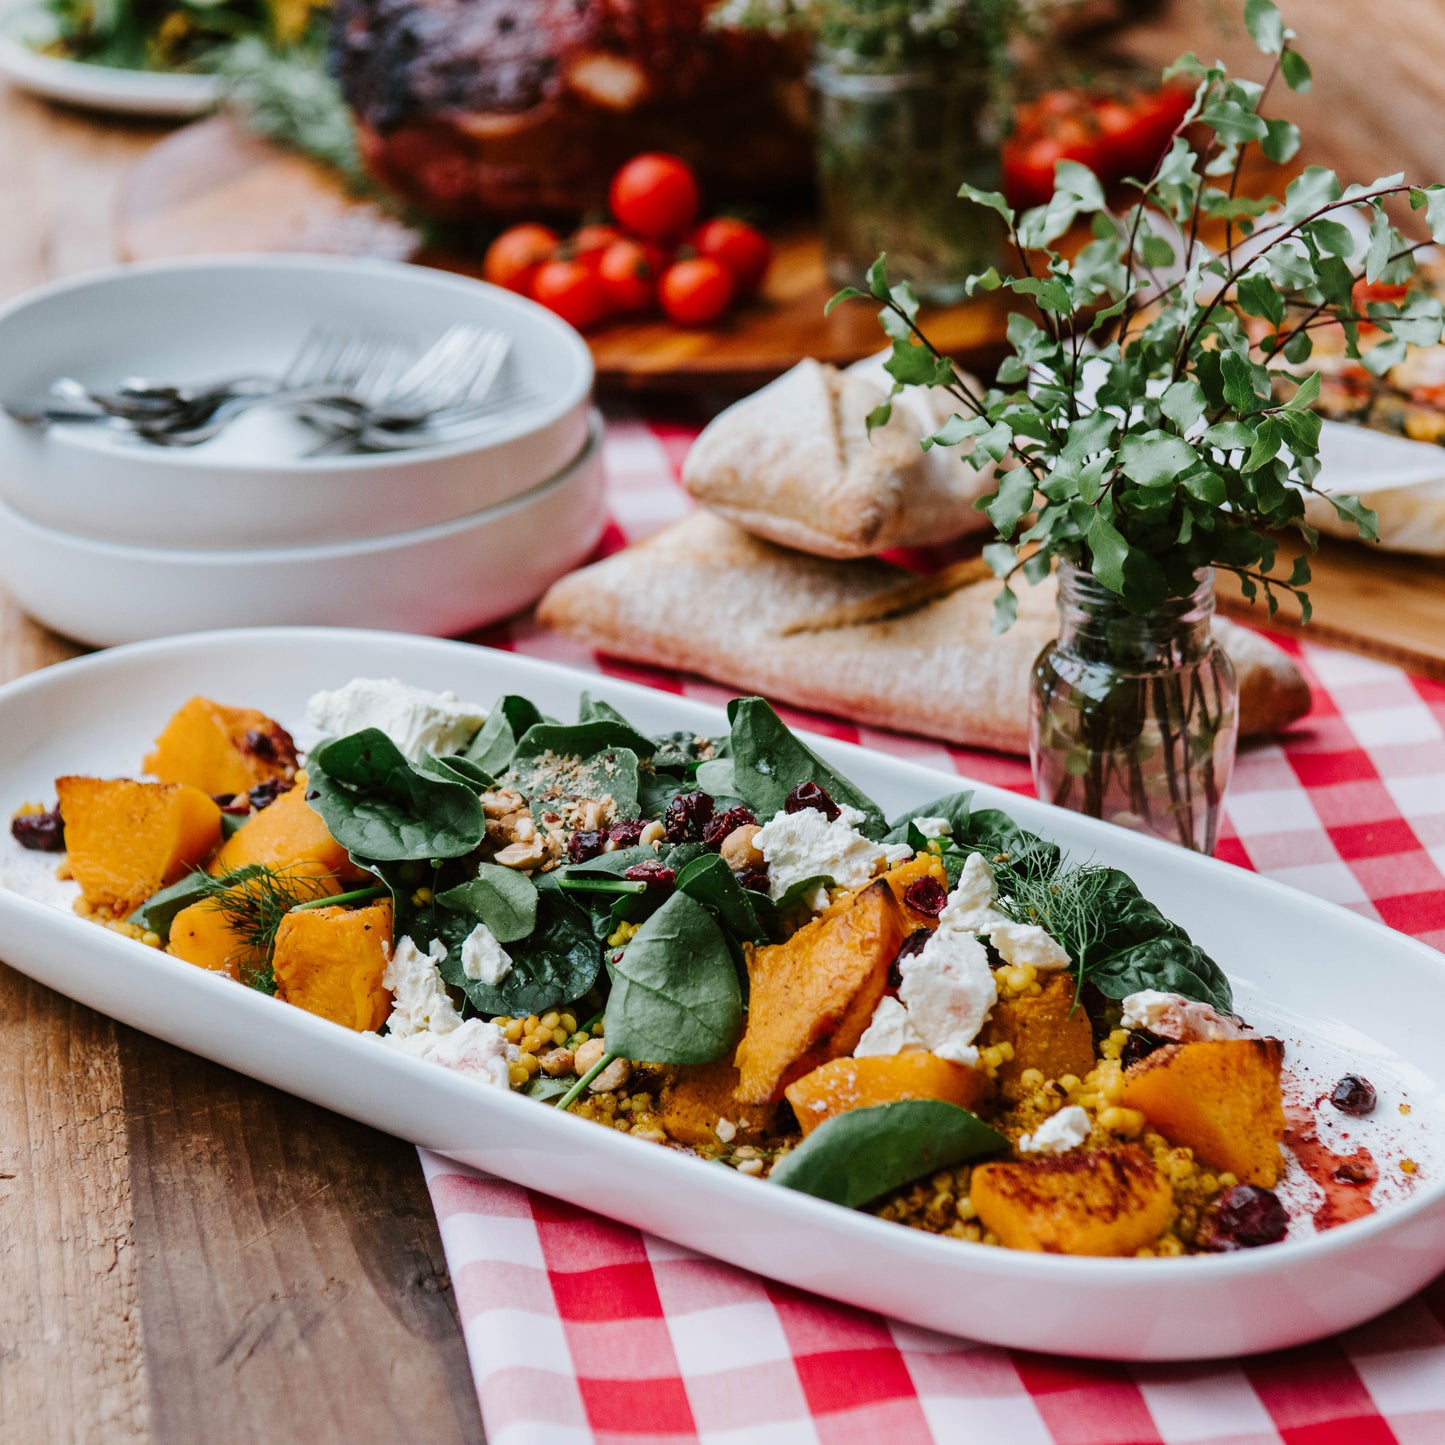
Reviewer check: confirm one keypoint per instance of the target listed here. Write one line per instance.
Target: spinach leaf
(502, 898)
(159, 911)
(230, 825)
(686, 750)
(802, 889)
(713, 884)
(594, 709)
(378, 806)
(613, 864)
(493, 746)
(582, 740)
(769, 761)
(557, 964)
(675, 994)
(956, 807)
(1170, 963)
(716, 776)
(655, 790)
(853, 1158)
(539, 1086)
(549, 780)
(457, 769)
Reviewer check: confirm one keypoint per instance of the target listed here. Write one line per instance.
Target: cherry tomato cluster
(1114, 138)
(655, 256)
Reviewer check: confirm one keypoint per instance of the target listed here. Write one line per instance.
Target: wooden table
(187, 1255)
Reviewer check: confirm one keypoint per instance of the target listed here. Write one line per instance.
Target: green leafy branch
(1147, 428)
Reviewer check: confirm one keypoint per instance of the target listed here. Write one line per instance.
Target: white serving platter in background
(164, 94)
(1368, 993)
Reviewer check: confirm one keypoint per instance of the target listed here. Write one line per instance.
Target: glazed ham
(505, 108)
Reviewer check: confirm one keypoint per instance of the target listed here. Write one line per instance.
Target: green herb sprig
(1181, 458)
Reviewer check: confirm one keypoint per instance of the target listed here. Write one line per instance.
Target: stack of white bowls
(109, 539)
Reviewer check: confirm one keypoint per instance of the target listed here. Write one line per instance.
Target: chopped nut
(738, 851)
(749, 1166)
(556, 1062)
(522, 855)
(587, 1054)
(591, 815)
(652, 835)
(502, 802)
(726, 1130)
(614, 1076)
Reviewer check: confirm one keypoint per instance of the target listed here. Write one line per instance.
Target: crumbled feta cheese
(1025, 943)
(1058, 1134)
(948, 990)
(970, 906)
(1172, 1016)
(420, 1002)
(476, 1048)
(890, 1032)
(934, 827)
(483, 958)
(410, 716)
(806, 844)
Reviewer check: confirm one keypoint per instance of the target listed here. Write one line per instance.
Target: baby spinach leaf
(956, 807)
(378, 806)
(613, 864)
(582, 740)
(675, 994)
(769, 761)
(801, 890)
(502, 898)
(539, 1086)
(713, 884)
(557, 964)
(594, 709)
(1170, 963)
(159, 911)
(853, 1158)
(550, 780)
(716, 777)
(230, 825)
(493, 746)
(457, 769)
(686, 750)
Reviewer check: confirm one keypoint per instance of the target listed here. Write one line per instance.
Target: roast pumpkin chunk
(812, 997)
(1220, 1098)
(204, 934)
(330, 961)
(901, 877)
(288, 836)
(1047, 1031)
(843, 1084)
(128, 840)
(1092, 1201)
(699, 1097)
(222, 750)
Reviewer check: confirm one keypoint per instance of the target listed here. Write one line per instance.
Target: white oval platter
(1371, 995)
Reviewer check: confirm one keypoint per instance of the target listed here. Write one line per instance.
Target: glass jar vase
(1134, 719)
(895, 140)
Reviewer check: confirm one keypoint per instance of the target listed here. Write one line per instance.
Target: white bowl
(442, 580)
(253, 486)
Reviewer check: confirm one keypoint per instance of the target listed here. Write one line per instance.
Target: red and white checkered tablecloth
(581, 1330)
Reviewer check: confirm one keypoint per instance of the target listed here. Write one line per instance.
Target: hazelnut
(522, 855)
(738, 851)
(556, 1062)
(499, 804)
(652, 835)
(614, 1076)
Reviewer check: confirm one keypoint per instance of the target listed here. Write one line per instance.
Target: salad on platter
(722, 946)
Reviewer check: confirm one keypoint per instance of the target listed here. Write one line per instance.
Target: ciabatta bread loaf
(864, 639)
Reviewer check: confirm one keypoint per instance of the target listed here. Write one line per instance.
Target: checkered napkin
(581, 1330)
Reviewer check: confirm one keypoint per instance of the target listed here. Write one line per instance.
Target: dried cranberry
(810, 795)
(926, 895)
(756, 879)
(627, 832)
(39, 832)
(1139, 1045)
(236, 804)
(584, 844)
(1354, 1094)
(260, 744)
(687, 815)
(655, 875)
(718, 829)
(1349, 1172)
(1247, 1217)
(911, 945)
(264, 794)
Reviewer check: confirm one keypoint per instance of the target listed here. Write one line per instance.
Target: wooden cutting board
(213, 187)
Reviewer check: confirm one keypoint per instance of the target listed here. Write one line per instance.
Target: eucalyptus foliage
(1135, 423)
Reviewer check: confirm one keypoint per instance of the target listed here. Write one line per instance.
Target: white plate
(208, 318)
(97, 87)
(1371, 993)
(445, 580)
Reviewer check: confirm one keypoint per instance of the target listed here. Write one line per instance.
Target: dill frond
(254, 899)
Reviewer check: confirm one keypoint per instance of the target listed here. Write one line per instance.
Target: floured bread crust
(794, 463)
(706, 597)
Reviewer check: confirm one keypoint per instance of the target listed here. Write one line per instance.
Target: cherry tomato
(513, 258)
(573, 290)
(741, 249)
(593, 238)
(630, 272)
(696, 292)
(656, 196)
